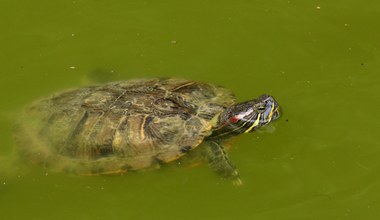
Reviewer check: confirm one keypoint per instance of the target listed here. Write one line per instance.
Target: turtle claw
(237, 182)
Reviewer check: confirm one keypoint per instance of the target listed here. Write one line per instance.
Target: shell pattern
(121, 126)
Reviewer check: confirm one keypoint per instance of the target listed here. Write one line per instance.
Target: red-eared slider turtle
(130, 125)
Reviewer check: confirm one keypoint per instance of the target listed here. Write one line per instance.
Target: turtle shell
(120, 126)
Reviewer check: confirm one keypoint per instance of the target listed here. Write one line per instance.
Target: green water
(320, 59)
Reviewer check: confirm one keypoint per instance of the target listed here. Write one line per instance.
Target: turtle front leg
(218, 160)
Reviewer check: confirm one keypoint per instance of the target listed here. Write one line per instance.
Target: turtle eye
(261, 108)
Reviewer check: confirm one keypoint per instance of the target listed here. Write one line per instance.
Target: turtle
(123, 126)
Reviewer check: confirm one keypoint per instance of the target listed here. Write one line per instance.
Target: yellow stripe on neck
(271, 113)
(254, 124)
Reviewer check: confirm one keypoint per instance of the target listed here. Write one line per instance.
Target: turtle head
(247, 116)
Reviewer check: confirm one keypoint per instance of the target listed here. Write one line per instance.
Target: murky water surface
(320, 59)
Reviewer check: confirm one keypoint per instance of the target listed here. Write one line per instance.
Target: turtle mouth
(272, 111)
(276, 114)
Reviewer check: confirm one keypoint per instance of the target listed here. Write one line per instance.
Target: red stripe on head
(234, 119)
